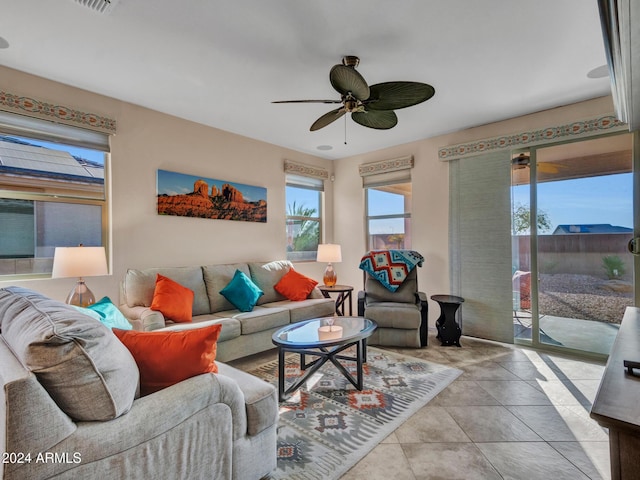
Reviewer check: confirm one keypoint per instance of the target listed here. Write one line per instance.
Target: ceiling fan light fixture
(350, 104)
(350, 61)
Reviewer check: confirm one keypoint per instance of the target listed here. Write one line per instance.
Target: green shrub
(614, 266)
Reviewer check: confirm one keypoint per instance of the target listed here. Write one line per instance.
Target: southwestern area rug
(327, 426)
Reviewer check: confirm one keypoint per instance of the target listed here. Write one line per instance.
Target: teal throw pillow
(109, 314)
(242, 292)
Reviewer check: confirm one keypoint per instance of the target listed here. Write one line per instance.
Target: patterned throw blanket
(390, 267)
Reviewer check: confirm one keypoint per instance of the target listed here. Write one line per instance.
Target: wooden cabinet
(617, 403)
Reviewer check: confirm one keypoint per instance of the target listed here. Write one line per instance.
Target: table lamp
(79, 262)
(329, 252)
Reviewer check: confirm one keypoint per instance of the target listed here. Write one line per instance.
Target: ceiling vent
(99, 6)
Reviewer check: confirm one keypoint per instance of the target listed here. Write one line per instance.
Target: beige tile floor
(513, 414)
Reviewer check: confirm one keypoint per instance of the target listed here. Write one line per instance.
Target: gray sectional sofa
(243, 333)
(70, 406)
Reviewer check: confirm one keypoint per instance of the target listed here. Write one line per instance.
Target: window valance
(385, 172)
(580, 129)
(294, 168)
(385, 166)
(20, 114)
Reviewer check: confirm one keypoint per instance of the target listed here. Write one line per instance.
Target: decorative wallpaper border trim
(375, 168)
(579, 129)
(57, 113)
(306, 170)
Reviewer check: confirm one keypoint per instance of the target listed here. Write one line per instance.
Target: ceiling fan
(370, 106)
(524, 161)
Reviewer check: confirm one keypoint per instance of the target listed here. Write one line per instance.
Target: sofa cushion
(166, 358)
(306, 309)
(266, 275)
(394, 315)
(295, 286)
(173, 300)
(106, 312)
(82, 365)
(230, 326)
(216, 277)
(241, 292)
(259, 319)
(139, 286)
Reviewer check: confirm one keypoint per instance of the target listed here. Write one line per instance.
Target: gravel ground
(581, 296)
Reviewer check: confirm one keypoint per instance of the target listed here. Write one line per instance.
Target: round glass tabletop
(320, 332)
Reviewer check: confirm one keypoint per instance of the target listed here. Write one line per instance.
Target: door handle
(634, 245)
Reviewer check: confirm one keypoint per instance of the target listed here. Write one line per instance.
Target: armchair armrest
(361, 298)
(143, 318)
(421, 297)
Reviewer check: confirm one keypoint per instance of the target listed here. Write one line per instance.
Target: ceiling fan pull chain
(345, 129)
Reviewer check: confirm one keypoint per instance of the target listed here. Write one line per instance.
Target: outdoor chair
(521, 282)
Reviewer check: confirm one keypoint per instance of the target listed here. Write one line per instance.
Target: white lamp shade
(329, 252)
(79, 262)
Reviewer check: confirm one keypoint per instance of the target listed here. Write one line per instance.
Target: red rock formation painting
(226, 203)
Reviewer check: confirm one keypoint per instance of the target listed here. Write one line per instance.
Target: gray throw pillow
(87, 371)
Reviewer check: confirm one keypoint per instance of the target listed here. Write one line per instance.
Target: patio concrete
(586, 335)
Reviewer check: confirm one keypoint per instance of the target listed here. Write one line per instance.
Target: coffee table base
(324, 355)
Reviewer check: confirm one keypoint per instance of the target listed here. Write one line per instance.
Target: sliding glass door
(572, 218)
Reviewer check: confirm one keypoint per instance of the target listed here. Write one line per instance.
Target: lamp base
(330, 278)
(80, 295)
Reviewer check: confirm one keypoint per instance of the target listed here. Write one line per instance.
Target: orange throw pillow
(173, 300)
(167, 358)
(295, 286)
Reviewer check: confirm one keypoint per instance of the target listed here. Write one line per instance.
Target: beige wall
(430, 179)
(148, 140)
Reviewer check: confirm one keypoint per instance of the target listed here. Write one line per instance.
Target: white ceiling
(222, 62)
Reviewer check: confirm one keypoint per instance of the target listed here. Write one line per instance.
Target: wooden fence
(577, 253)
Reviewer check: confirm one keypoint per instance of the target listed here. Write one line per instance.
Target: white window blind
(480, 244)
(305, 182)
(24, 126)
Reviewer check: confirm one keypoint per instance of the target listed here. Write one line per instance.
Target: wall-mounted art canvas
(193, 196)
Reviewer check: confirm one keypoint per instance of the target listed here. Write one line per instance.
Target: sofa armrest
(143, 318)
(25, 406)
(150, 417)
(259, 397)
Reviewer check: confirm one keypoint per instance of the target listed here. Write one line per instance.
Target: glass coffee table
(324, 338)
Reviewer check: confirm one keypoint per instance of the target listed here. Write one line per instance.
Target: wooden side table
(344, 294)
(449, 332)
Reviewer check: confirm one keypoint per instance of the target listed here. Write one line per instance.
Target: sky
(173, 183)
(592, 200)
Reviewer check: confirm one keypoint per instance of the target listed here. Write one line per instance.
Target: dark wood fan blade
(346, 80)
(378, 119)
(327, 118)
(395, 95)
(307, 101)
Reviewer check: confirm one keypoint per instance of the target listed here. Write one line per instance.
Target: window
(52, 192)
(304, 217)
(389, 216)
(387, 187)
